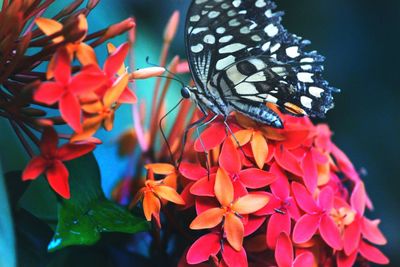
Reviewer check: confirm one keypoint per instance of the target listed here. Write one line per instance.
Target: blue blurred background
(360, 40)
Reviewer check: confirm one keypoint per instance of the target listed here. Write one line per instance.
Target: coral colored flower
(152, 193)
(165, 169)
(317, 217)
(230, 211)
(50, 161)
(101, 112)
(66, 89)
(210, 245)
(113, 67)
(284, 254)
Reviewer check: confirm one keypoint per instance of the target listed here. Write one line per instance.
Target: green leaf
(7, 242)
(88, 213)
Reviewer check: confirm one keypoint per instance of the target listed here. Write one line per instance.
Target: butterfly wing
(241, 48)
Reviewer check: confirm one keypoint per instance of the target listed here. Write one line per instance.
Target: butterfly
(241, 58)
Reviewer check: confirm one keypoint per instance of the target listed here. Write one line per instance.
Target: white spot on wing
(231, 48)
(306, 101)
(315, 91)
(234, 75)
(209, 39)
(197, 48)
(225, 39)
(260, 3)
(292, 51)
(236, 3)
(271, 30)
(195, 18)
(246, 89)
(221, 30)
(305, 77)
(224, 62)
(213, 14)
(200, 29)
(258, 63)
(257, 77)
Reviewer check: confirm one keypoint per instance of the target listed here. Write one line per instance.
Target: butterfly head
(186, 92)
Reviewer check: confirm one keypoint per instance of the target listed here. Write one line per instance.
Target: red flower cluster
(280, 198)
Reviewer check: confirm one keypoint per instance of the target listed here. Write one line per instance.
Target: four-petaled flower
(231, 210)
(50, 161)
(66, 89)
(152, 193)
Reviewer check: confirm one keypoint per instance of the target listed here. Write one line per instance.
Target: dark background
(360, 40)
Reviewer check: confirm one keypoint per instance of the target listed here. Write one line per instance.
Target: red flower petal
(255, 178)
(205, 203)
(203, 248)
(358, 198)
(229, 158)
(284, 251)
(234, 230)
(71, 111)
(295, 136)
(48, 144)
(48, 93)
(35, 167)
(325, 199)
(116, 59)
(280, 187)
(371, 232)
(310, 176)
(253, 224)
(278, 223)
(210, 138)
(127, 97)
(305, 228)
(62, 66)
(187, 197)
(234, 258)
(57, 175)
(342, 260)
(192, 171)
(287, 161)
(372, 254)
(330, 232)
(304, 259)
(204, 187)
(351, 237)
(259, 148)
(73, 151)
(304, 199)
(86, 81)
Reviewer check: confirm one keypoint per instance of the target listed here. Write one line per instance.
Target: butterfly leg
(234, 137)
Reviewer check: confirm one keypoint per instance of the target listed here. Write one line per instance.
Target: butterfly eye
(185, 92)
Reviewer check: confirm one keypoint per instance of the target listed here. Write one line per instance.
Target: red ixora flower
(50, 161)
(65, 89)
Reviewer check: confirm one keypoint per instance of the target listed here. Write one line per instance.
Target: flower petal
(50, 27)
(284, 251)
(358, 198)
(243, 136)
(71, 111)
(305, 228)
(62, 66)
(310, 171)
(330, 232)
(253, 224)
(90, 127)
(72, 151)
(250, 203)
(325, 198)
(192, 171)
(280, 187)
(304, 199)
(161, 168)
(277, 224)
(372, 254)
(127, 96)
(208, 219)
(151, 205)
(229, 158)
(204, 187)
(112, 95)
(35, 167)
(168, 193)
(371, 232)
(48, 143)
(351, 237)
(342, 260)
(304, 259)
(256, 178)
(287, 161)
(48, 93)
(259, 147)
(210, 138)
(57, 175)
(234, 258)
(204, 247)
(116, 59)
(234, 230)
(86, 55)
(223, 188)
(86, 81)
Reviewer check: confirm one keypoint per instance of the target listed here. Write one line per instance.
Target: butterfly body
(241, 58)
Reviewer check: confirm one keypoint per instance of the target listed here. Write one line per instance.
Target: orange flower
(152, 193)
(102, 112)
(230, 211)
(165, 169)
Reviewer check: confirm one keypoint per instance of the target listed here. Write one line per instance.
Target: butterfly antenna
(163, 133)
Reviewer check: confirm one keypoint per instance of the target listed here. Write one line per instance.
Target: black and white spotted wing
(241, 57)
